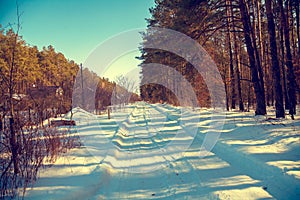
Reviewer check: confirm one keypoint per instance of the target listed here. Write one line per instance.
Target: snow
(141, 154)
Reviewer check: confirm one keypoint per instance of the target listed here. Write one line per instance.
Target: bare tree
(11, 91)
(125, 87)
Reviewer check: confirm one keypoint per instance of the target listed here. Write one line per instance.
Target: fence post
(108, 112)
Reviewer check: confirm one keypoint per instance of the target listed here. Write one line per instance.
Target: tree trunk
(226, 92)
(298, 26)
(258, 88)
(249, 96)
(292, 28)
(232, 77)
(238, 80)
(289, 62)
(237, 59)
(253, 32)
(225, 82)
(13, 142)
(286, 97)
(275, 62)
(262, 54)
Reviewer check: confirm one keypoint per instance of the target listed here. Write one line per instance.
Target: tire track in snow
(118, 176)
(190, 175)
(118, 180)
(138, 140)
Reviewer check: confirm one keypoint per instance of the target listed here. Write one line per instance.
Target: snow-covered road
(141, 153)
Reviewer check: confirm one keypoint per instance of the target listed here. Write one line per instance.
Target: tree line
(255, 45)
(35, 71)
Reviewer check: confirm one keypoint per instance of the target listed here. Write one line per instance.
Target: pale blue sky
(75, 27)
